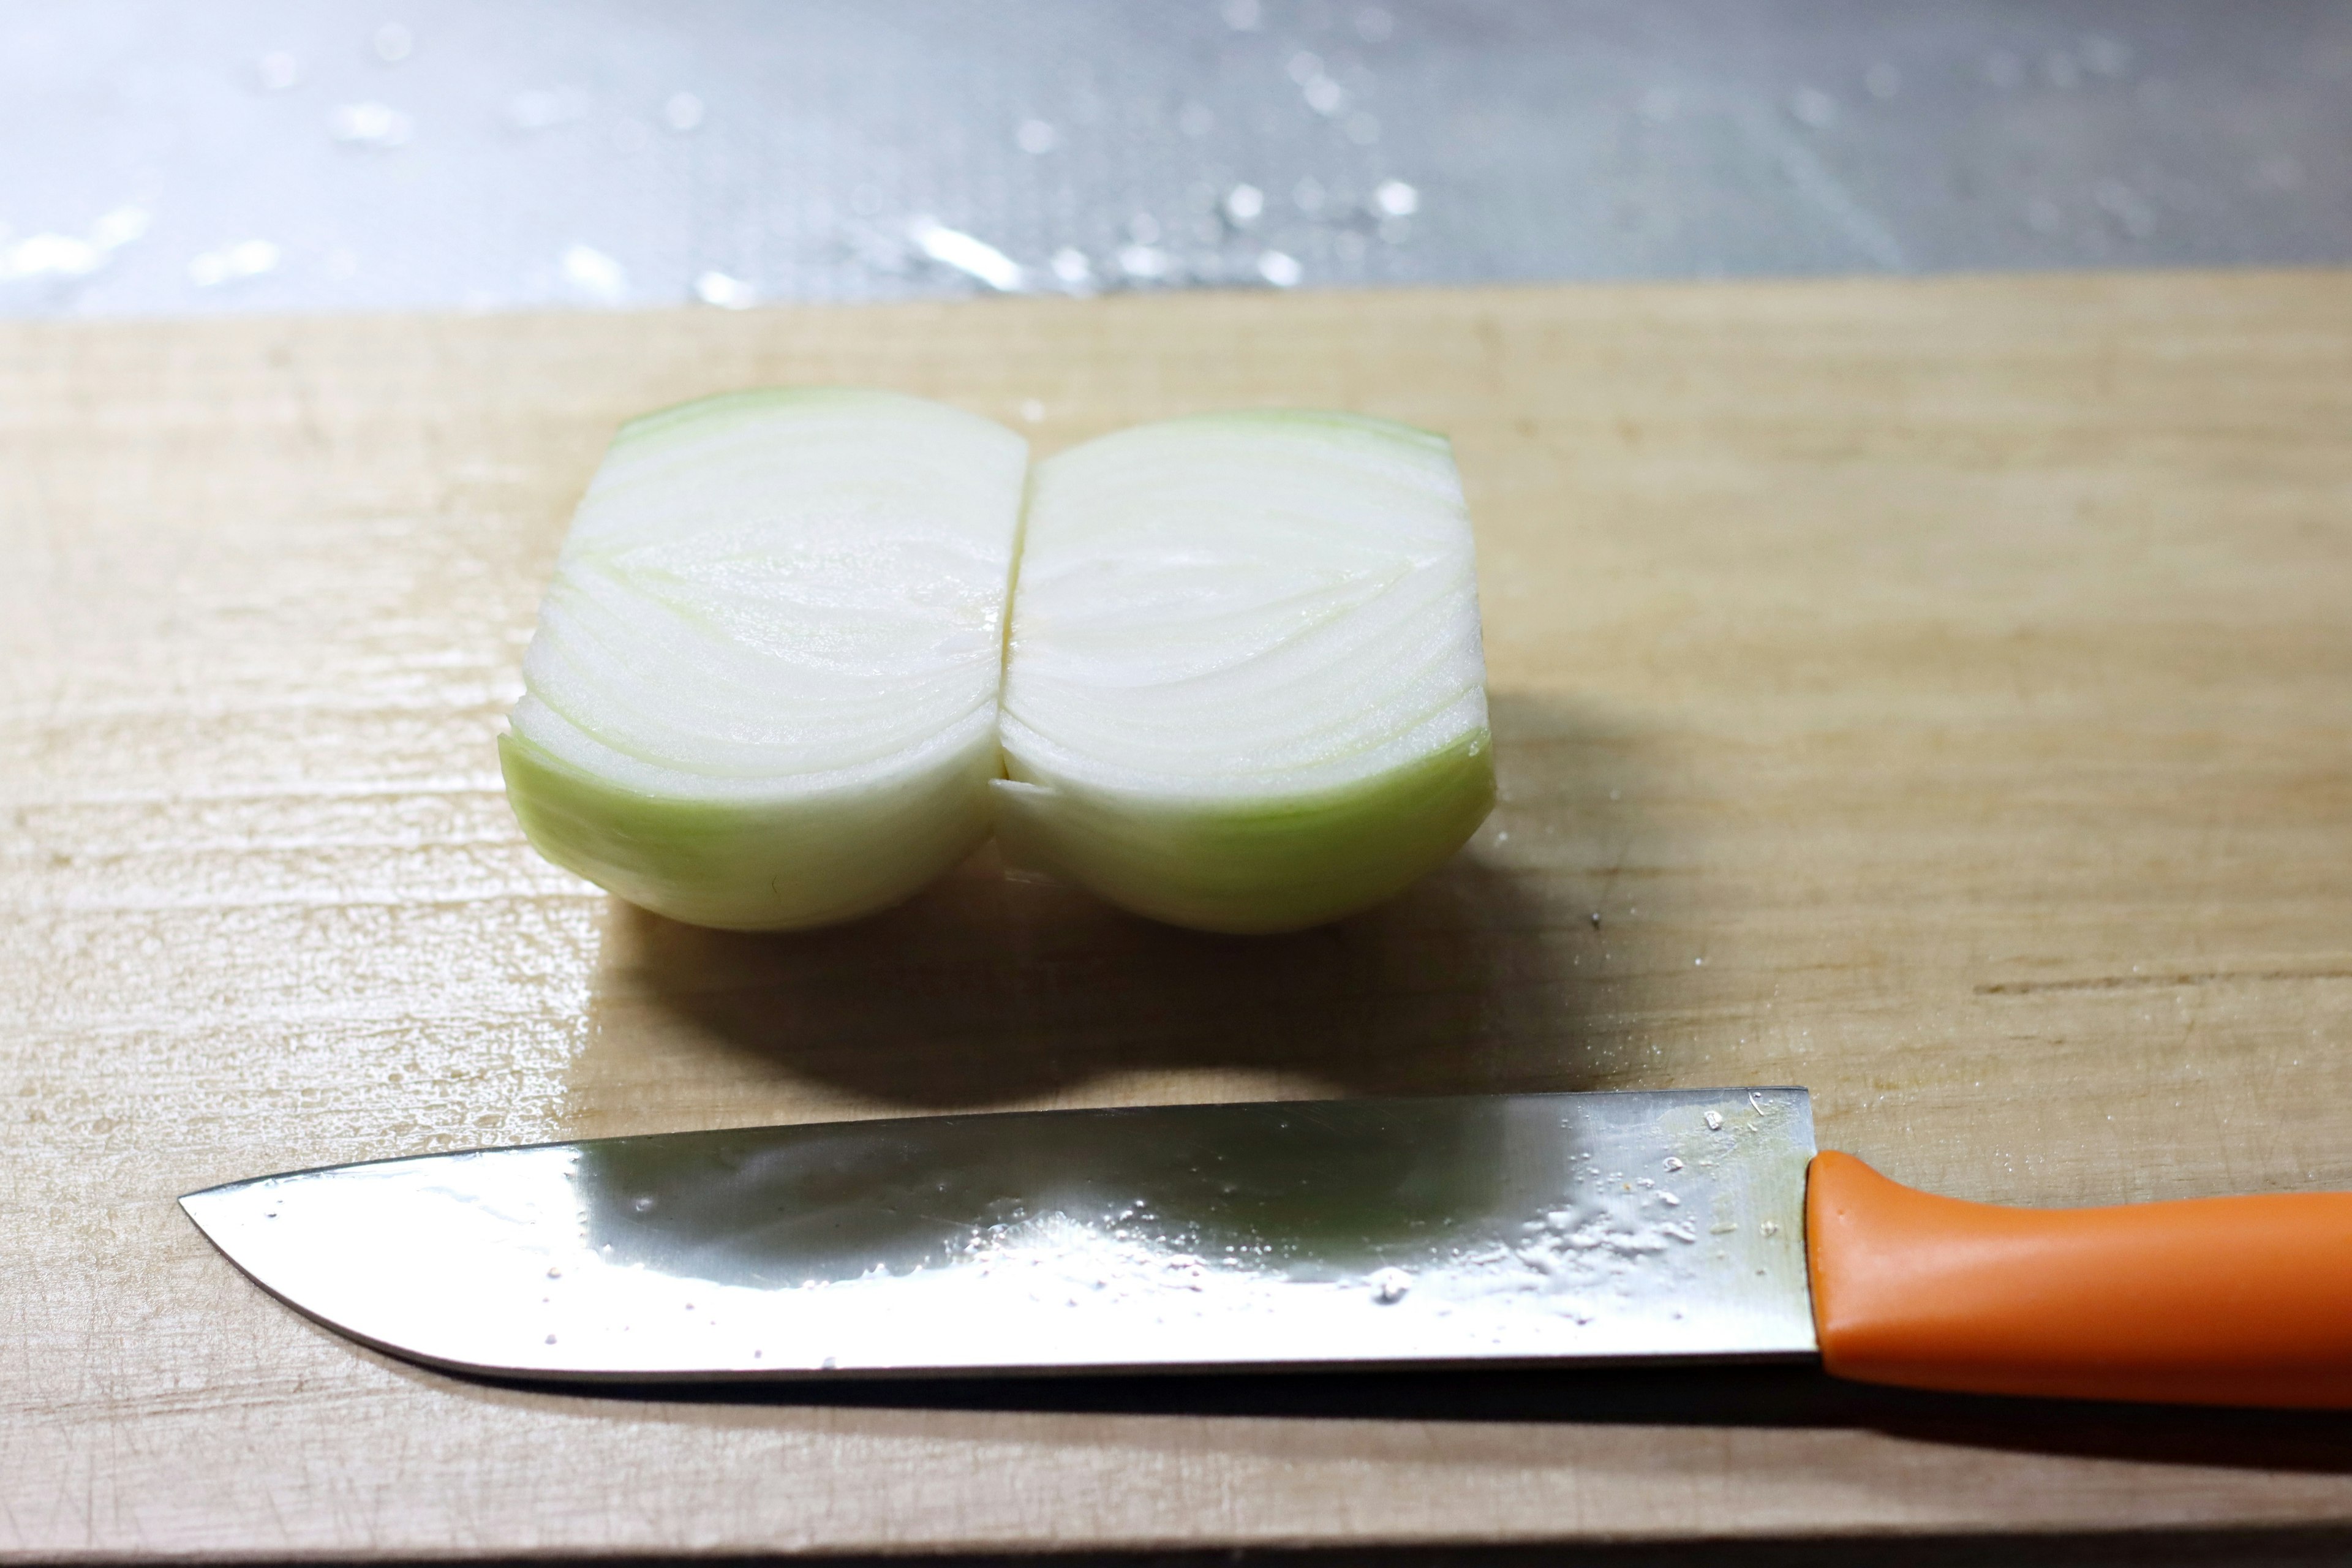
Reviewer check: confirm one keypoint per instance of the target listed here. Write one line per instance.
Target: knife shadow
(1719, 1396)
(994, 990)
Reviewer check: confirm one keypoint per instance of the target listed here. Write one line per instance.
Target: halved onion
(763, 690)
(1244, 689)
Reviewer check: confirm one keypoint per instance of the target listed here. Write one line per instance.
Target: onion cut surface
(764, 691)
(1244, 689)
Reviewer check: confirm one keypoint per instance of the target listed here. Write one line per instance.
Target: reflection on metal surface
(1403, 1231)
(458, 164)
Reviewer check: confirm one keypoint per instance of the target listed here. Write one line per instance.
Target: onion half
(763, 690)
(1244, 689)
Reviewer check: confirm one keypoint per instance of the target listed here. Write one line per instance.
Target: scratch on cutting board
(2126, 982)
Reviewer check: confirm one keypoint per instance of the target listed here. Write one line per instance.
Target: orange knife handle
(2210, 1301)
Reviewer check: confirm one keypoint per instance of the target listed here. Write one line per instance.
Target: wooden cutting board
(1938, 694)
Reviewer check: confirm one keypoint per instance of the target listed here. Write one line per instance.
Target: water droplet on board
(1395, 198)
(1036, 137)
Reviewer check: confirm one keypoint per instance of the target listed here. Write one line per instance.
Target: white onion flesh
(1244, 689)
(763, 690)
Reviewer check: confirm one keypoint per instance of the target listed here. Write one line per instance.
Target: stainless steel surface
(262, 155)
(1367, 1231)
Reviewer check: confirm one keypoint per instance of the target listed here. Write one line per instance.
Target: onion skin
(1244, 689)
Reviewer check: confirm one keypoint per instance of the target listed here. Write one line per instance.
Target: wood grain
(1940, 692)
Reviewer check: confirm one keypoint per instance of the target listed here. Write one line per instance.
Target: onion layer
(1244, 689)
(763, 690)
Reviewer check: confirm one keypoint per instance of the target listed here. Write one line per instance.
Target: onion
(763, 690)
(1243, 688)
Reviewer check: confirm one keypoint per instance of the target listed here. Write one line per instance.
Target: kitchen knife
(1428, 1232)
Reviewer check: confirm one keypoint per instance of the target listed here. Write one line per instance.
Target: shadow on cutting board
(1795, 1397)
(988, 990)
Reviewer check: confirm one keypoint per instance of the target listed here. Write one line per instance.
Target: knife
(1464, 1231)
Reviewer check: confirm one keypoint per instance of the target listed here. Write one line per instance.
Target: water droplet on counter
(1244, 204)
(2129, 210)
(966, 254)
(594, 274)
(374, 125)
(2105, 56)
(1280, 269)
(278, 70)
(1325, 96)
(639, 1206)
(1071, 268)
(248, 258)
(1036, 137)
(1143, 263)
(1813, 108)
(729, 293)
(682, 112)
(1673, 1163)
(1395, 198)
(1771, 1227)
(1390, 1285)
(538, 107)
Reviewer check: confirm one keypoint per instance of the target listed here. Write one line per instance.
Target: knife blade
(1461, 1231)
(1387, 1231)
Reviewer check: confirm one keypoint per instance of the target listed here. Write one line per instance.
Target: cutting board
(1935, 693)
